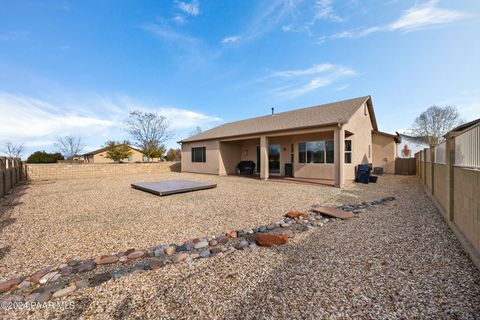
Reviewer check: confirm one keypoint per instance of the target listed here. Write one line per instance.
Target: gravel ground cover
(397, 261)
(49, 222)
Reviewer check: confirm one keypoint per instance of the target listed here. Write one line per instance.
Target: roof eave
(339, 124)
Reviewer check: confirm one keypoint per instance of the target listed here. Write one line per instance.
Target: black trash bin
(288, 170)
(363, 173)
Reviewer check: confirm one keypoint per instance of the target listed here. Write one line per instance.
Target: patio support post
(264, 157)
(339, 150)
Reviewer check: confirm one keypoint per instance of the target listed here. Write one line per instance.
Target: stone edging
(61, 280)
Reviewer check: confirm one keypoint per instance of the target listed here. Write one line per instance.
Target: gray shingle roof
(321, 115)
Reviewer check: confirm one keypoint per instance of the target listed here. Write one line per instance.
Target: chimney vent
(273, 111)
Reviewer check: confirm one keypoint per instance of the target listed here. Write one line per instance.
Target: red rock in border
(268, 240)
(9, 284)
(136, 254)
(294, 214)
(233, 234)
(129, 251)
(106, 259)
(39, 274)
(157, 264)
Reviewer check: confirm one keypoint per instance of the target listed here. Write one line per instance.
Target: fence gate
(406, 166)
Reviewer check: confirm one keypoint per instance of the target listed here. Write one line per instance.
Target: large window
(322, 152)
(348, 151)
(315, 152)
(199, 154)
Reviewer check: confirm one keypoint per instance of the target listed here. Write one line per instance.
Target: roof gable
(105, 149)
(321, 115)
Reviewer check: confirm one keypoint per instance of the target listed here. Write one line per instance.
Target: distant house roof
(466, 125)
(105, 149)
(396, 138)
(420, 140)
(322, 115)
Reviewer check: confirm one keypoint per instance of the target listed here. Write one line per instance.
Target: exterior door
(258, 159)
(274, 158)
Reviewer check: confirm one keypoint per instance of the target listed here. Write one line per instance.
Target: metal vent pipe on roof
(273, 111)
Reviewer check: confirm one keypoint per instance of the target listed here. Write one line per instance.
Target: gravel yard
(399, 260)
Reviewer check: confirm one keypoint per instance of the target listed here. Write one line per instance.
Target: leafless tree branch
(435, 122)
(13, 150)
(70, 146)
(149, 132)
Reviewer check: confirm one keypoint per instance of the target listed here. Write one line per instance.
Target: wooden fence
(11, 172)
(405, 166)
(450, 172)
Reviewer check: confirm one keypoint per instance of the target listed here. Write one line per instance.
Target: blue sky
(78, 67)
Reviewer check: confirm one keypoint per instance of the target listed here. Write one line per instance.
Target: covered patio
(307, 156)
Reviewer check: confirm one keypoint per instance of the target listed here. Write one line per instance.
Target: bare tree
(149, 132)
(70, 146)
(435, 122)
(13, 150)
(195, 131)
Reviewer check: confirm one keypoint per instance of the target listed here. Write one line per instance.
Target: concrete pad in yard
(168, 187)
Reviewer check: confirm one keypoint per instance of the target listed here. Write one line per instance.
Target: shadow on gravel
(80, 305)
(123, 309)
(7, 204)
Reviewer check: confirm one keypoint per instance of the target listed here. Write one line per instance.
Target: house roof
(396, 138)
(419, 140)
(321, 115)
(466, 125)
(104, 149)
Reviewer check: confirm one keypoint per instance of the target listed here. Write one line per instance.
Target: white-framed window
(199, 154)
(348, 151)
(316, 152)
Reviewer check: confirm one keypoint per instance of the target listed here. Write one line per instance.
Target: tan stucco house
(321, 142)
(99, 156)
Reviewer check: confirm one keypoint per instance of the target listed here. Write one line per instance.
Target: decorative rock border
(62, 280)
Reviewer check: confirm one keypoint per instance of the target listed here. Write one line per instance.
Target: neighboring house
(100, 156)
(321, 142)
(407, 145)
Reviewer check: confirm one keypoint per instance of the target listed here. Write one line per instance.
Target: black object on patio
(245, 167)
(289, 170)
(167, 187)
(363, 173)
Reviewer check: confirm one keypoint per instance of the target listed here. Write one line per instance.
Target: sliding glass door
(274, 158)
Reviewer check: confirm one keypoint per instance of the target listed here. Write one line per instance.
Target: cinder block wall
(57, 171)
(456, 190)
(467, 203)
(440, 184)
(428, 175)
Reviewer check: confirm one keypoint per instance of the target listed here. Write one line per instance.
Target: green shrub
(44, 157)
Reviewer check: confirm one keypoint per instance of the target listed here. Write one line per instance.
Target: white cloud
(26, 117)
(179, 19)
(324, 10)
(426, 15)
(192, 8)
(184, 119)
(309, 79)
(316, 68)
(306, 88)
(38, 123)
(231, 39)
(349, 34)
(267, 16)
(415, 18)
(168, 34)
